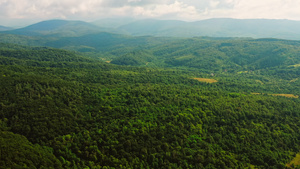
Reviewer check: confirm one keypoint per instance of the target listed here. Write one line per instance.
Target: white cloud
(178, 9)
(168, 9)
(274, 9)
(214, 4)
(47, 8)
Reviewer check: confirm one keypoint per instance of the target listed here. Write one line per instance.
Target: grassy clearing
(295, 161)
(294, 80)
(258, 81)
(206, 80)
(242, 72)
(297, 65)
(286, 95)
(107, 61)
(252, 166)
(283, 95)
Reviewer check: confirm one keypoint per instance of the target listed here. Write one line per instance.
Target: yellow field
(252, 166)
(294, 80)
(284, 95)
(108, 61)
(206, 80)
(256, 93)
(295, 161)
(258, 81)
(297, 65)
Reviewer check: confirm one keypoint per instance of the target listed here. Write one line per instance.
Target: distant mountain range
(254, 28)
(59, 28)
(4, 28)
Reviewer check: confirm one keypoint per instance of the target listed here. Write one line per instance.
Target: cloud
(122, 3)
(95, 8)
(275, 9)
(167, 9)
(176, 9)
(47, 8)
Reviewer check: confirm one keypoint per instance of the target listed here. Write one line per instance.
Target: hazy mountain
(155, 27)
(256, 28)
(4, 28)
(58, 28)
(113, 22)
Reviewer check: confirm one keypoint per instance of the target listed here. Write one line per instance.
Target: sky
(21, 12)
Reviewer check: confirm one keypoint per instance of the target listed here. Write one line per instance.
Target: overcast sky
(14, 12)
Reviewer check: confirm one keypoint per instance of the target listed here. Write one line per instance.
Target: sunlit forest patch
(242, 72)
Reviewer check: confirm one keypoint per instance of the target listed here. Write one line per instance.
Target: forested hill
(212, 55)
(62, 110)
(216, 27)
(59, 28)
(215, 55)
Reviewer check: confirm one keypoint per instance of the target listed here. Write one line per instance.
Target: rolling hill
(202, 53)
(57, 28)
(4, 28)
(218, 27)
(157, 102)
(62, 110)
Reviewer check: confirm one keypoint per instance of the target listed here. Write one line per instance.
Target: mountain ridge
(4, 28)
(58, 28)
(217, 27)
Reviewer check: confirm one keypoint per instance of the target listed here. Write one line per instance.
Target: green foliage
(17, 152)
(137, 58)
(218, 55)
(98, 115)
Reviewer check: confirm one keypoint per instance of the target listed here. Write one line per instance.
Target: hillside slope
(211, 55)
(86, 113)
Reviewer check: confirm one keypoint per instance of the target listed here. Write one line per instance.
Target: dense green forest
(61, 109)
(146, 107)
(264, 56)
